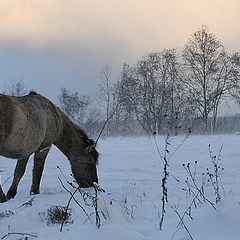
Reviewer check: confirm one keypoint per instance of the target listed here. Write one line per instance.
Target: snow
(130, 172)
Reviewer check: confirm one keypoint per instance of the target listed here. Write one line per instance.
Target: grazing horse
(31, 124)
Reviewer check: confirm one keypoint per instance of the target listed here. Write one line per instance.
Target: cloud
(142, 24)
(61, 43)
(51, 22)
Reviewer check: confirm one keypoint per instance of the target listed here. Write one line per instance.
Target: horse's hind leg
(38, 166)
(18, 173)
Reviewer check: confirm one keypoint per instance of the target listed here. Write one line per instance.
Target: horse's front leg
(38, 166)
(2, 195)
(18, 173)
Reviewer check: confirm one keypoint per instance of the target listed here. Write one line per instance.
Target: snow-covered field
(131, 172)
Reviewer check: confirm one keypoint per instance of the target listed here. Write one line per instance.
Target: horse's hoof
(11, 194)
(3, 199)
(34, 192)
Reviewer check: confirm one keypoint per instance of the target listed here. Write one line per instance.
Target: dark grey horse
(31, 124)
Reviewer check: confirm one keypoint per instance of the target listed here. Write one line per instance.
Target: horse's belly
(9, 153)
(19, 150)
(22, 142)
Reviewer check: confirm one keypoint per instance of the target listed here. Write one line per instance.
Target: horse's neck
(72, 138)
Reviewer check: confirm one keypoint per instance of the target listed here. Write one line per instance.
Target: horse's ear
(91, 146)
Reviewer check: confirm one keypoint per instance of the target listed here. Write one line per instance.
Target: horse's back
(34, 123)
(52, 117)
(46, 114)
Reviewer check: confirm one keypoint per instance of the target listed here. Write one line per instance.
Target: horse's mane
(88, 144)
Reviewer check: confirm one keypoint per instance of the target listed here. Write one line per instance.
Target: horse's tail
(6, 118)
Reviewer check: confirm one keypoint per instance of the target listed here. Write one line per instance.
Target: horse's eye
(90, 142)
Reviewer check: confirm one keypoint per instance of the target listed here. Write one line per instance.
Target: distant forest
(165, 92)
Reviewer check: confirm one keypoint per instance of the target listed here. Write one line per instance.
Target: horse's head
(81, 152)
(84, 166)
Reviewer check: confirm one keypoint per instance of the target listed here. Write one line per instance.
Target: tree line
(166, 91)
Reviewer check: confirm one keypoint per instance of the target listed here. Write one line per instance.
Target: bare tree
(74, 105)
(130, 96)
(16, 89)
(152, 90)
(227, 80)
(235, 92)
(127, 96)
(178, 106)
(92, 123)
(107, 98)
(209, 72)
(79, 107)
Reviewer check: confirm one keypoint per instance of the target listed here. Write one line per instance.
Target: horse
(32, 124)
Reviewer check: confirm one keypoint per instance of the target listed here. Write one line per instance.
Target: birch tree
(209, 72)
(152, 91)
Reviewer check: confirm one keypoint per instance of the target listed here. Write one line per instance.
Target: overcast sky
(51, 44)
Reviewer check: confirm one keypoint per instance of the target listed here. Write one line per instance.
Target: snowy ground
(131, 172)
